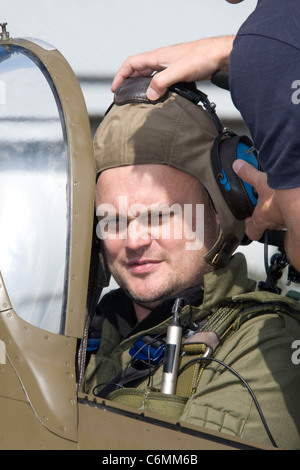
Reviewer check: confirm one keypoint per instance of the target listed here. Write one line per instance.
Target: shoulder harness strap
(226, 318)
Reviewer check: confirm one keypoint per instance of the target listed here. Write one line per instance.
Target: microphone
(172, 353)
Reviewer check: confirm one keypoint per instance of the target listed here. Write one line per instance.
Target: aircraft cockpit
(47, 183)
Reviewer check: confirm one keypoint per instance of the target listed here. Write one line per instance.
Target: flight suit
(256, 342)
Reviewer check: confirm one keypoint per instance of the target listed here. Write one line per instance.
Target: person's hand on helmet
(191, 61)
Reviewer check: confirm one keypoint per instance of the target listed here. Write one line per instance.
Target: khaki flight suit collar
(227, 282)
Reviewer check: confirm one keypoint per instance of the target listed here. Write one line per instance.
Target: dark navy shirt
(265, 87)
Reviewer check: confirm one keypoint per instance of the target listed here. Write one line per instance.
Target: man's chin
(147, 300)
(148, 305)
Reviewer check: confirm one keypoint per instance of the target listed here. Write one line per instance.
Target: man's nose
(138, 235)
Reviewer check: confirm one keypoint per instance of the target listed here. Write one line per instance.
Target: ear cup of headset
(239, 195)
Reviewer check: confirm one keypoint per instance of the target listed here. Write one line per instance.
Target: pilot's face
(154, 253)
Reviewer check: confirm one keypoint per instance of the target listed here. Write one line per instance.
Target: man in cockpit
(169, 239)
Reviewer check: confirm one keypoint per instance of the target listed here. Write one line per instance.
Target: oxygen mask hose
(172, 352)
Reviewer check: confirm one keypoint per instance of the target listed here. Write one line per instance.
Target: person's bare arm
(276, 209)
(191, 61)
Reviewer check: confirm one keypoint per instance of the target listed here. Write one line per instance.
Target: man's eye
(121, 223)
(115, 224)
(161, 218)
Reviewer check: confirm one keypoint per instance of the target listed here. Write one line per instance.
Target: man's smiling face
(149, 263)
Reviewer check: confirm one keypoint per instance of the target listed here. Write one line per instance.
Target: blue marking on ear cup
(225, 181)
(244, 153)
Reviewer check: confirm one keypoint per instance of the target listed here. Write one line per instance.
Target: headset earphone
(240, 196)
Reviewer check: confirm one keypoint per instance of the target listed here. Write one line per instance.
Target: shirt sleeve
(265, 88)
